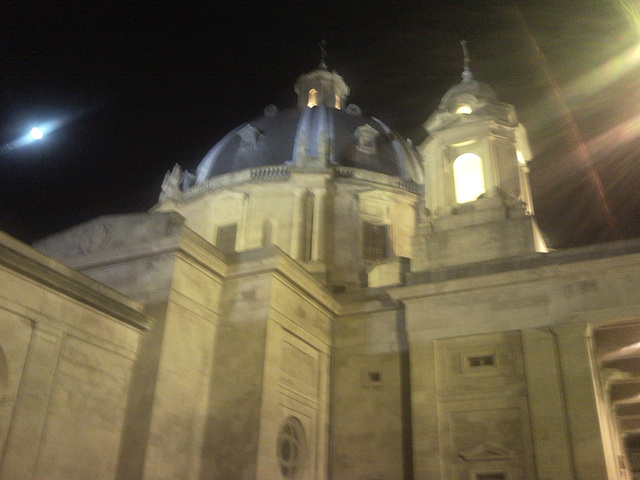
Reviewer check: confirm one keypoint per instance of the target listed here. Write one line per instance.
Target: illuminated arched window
(468, 177)
(313, 98)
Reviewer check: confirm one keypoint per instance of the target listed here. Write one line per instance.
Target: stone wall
(68, 347)
(370, 419)
(501, 369)
(271, 362)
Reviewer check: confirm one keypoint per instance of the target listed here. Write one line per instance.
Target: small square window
(481, 361)
(371, 377)
(367, 139)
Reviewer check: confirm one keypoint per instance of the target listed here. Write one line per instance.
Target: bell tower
(477, 194)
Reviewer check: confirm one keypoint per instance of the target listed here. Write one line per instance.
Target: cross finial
(323, 54)
(466, 74)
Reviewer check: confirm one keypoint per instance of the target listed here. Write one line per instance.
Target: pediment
(375, 204)
(487, 451)
(376, 196)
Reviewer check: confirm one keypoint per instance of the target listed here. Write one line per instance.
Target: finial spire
(323, 54)
(466, 74)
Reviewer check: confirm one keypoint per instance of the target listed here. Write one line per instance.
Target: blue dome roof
(313, 137)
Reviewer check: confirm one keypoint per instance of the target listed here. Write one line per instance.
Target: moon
(36, 133)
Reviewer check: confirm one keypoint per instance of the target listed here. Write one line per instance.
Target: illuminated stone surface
(328, 312)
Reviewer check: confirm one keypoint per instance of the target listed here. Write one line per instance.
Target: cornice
(274, 261)
(24, 260)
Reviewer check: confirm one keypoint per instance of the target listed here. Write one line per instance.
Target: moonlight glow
(36, 133)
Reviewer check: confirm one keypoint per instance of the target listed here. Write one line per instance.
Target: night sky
(135, 89)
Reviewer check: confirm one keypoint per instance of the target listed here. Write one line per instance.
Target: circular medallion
(95, 238)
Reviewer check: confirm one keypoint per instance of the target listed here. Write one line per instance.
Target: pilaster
(24, 440)
(317, 253)
(582, 414)
(552, 447)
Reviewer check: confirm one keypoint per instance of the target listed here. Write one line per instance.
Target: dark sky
(136, 89)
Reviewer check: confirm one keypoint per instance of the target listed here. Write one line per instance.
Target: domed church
(335, 190)
(321, 299)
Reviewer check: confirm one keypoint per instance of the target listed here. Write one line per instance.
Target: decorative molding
(23, 260)
(250, 136)
(96, 238)
(271, 111)
(171, 185)
(353, 109)
(343, 172)
(487, 451)
(267, 174)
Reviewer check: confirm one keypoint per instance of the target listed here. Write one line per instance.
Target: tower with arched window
(477, 193)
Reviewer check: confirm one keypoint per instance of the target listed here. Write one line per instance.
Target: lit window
(464, 109)
(468, 177)
(338, 105)
(313, 98)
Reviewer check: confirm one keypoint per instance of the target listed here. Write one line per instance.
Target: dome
(317, 137)
(317, 134)
(467, 88)
(467, 102)
(467, 91)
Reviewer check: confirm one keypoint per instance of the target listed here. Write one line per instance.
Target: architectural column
(322, 451)
(424, 409)
(29, 415)
(548, 418)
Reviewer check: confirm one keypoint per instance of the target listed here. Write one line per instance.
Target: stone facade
(322, 317)
(69, 348)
